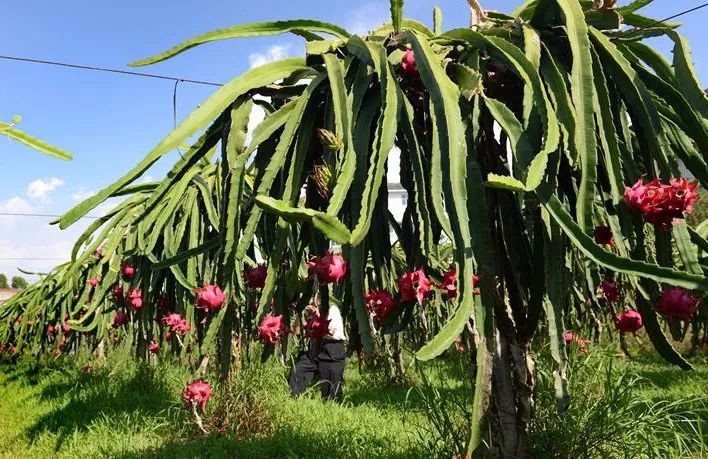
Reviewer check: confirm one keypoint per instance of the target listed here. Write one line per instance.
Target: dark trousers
(327, 364)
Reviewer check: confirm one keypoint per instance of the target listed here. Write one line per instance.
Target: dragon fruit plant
(581, 194)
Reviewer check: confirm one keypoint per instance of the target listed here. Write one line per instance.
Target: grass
(620, 408)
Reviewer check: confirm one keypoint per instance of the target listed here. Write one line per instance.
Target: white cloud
(81, 194)
(255, 118)
(146, 179)
(368, 17)
(105, 207)
(272, 54)
(16, 205)
(40, 189)
(35, 246)
(32, 243)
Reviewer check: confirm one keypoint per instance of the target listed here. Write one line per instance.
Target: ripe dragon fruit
(128, 271)
(662, 205)
(164, 303)
(316, 327)
(408, 64)
(117, 293)
(449, 283)
(256, 276)
(119, 319)
(629, 322)
(603, 236)
(570, 337)
(329, 269)
(197, 393)
(271, 329)
(210, 298)
(414, 286)
(677, 303)
(379, 303)
(609, 291)
(176, 323)
(135, 298)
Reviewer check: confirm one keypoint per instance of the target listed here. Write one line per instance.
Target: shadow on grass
(286, 443)
(393, 396)
(93, 397)
(666, 376)
(26, 375)
(387, 395)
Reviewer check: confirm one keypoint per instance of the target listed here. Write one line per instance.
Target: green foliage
(700, 210)
(586, 107)
(13, 133)
(121, 407)
(396, 14)
(297, 26)
(623, 410)
(18, 282)
(3, 281)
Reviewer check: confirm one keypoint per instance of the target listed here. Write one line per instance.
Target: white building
(397, 195)
(397, 200)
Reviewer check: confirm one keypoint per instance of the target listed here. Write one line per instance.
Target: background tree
(19, 282)
(700, 210)
(3, 281)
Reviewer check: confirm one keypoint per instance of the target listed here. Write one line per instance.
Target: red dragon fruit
(256, 276)
(414, 286)
(629, 322)
(197, 393)
(210, 298)
(677, 303)
(271, 329)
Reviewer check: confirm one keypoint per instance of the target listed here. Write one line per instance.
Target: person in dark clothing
(324, 359)
(303, 373)
(330, 368)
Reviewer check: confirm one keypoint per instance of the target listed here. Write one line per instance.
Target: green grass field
(619, 409)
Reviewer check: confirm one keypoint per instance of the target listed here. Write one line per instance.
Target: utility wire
(210, 83)
(19, 214)
(105, 69)
(691, 10)
(30, 259)
(174, 113)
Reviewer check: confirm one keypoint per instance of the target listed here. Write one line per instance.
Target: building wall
(6, 294)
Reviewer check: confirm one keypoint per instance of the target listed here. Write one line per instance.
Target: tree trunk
(524, 384)
(505, 435)
(398, 360)
(225, 348)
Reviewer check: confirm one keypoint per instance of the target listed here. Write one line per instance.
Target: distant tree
(3, 281)
(700, 209)
(19, 282)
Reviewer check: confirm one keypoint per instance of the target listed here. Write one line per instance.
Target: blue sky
(109, 121)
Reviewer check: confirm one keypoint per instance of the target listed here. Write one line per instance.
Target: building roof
(6, 294)
(392, 186)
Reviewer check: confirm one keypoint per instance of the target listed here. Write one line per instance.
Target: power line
(19, 214)
(210, 83)
(109, 70)
(30, 259)
(691, 10)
